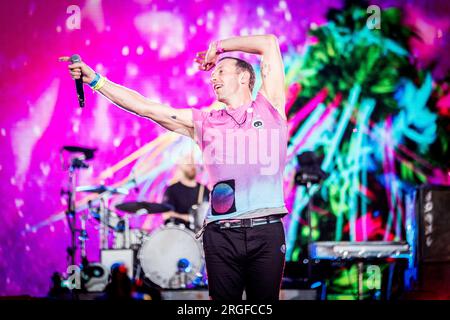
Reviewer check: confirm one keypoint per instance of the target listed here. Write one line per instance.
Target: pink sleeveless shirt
(244, 153)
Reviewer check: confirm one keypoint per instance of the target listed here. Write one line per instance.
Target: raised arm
(272, 68)
(177, 120)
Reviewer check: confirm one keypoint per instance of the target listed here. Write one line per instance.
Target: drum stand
(127, 231)
(76, 163)
(122, 237)
(105, 217)
(83, 238)
(180, 278)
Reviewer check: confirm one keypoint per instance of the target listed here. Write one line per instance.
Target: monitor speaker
(433, 208)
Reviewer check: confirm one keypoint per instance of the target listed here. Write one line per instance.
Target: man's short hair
(243, 65)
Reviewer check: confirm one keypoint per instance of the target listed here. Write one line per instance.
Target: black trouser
(244, 258)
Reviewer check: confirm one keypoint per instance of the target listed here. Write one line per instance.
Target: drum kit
(170, 257)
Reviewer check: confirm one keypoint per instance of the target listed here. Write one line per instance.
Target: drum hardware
(128, 238)
(78, 155)
(116, 223)
(136, 237)
(180, 279)
(170, 257)
(138, 208)
(184, 278)
(83, 237)
(127, 231)
(107, 218)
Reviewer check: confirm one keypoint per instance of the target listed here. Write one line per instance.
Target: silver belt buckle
(247, 223)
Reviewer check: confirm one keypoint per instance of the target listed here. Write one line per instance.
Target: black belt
(247, 223)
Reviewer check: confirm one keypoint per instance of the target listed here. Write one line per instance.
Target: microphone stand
(308, 174)
(75, 164)
(307, 180)
(308, 217)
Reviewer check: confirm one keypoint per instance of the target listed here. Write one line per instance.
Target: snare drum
(171, 257)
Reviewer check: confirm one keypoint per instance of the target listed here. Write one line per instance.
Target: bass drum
(171, 257)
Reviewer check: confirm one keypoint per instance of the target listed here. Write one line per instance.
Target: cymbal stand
(83, 237)
(127, 231)
(76, 163)
(104, 222)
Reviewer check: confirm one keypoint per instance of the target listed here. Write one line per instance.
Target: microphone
(79, 82)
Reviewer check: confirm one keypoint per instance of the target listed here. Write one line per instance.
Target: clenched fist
(79, 69)
(207, 59)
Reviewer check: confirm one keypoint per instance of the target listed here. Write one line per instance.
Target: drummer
(184, 194)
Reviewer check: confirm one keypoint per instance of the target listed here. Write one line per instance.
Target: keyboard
(333, 250)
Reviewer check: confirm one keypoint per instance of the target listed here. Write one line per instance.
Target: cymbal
(101, 189)
(143, 207)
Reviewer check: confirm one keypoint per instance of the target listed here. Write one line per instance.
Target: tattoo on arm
(265, 69)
